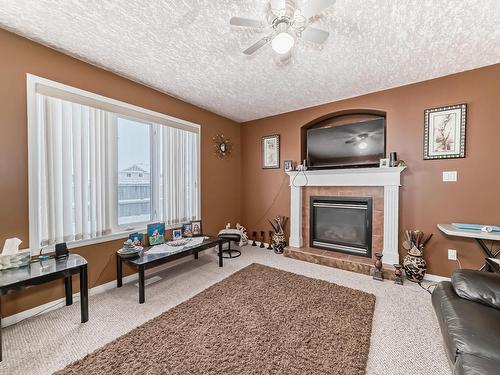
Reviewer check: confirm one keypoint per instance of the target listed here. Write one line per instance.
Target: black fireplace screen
(342, 224)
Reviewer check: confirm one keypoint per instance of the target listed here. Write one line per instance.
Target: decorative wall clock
(222, 146)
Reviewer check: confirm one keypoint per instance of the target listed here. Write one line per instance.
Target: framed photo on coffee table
(156, 233)
(176, 234)
(444, 132)
(196, 228)
(187, 230)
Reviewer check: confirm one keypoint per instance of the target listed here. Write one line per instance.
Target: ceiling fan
(288, 23)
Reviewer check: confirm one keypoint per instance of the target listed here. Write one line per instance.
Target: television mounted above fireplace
(358, 144)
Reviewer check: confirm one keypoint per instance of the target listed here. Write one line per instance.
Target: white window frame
(36, 84)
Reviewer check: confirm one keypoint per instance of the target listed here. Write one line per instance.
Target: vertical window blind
(78, 174)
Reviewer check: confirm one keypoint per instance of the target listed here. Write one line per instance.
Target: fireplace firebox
(341, 224)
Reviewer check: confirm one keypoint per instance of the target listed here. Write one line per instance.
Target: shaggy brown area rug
(259, 320)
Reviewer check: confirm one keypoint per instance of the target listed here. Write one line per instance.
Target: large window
(99, 167)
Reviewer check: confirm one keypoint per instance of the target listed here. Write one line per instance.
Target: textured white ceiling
(186, 47)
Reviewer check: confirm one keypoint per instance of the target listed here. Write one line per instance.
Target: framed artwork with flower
(444, 132)
(271, 151)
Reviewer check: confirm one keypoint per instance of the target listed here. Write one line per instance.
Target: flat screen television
(360, 144)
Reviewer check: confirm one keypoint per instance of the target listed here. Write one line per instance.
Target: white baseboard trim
(435, 278)
(61, 302)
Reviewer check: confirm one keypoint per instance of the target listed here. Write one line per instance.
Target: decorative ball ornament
(222, 146)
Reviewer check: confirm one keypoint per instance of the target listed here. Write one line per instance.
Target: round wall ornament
(222, 146)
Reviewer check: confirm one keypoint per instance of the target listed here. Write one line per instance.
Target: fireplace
(341, 224)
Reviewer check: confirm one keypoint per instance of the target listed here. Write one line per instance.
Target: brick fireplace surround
(382, 184)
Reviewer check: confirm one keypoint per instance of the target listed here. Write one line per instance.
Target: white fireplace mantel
(388, 178)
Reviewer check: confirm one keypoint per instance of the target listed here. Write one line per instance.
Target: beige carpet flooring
(405, 334)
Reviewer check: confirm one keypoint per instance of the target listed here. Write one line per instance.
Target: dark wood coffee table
(147, 260)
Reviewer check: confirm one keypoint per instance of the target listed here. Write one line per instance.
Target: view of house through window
(134, 176)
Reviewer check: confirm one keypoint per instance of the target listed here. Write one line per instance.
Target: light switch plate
(450, 176)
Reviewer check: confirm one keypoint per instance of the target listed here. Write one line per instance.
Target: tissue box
(19, 259)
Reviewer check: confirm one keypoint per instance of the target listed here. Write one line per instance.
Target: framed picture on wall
(271, 151)
(444, 132)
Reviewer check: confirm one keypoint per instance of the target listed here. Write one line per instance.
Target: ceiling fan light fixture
(282, 43)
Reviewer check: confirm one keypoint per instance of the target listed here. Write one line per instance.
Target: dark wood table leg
(196, 255)
(220, 253)
(68, 287)
(84, 293)
(141, 285)
(119, 272)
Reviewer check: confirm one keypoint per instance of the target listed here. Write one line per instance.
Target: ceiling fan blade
(312, 34)
(254, 47)
(246, 22)
(314, 7)
(278, 6)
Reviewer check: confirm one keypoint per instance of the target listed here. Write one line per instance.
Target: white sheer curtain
(179, 168)
(75, 170)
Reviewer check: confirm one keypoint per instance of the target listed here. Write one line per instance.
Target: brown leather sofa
(468, 311)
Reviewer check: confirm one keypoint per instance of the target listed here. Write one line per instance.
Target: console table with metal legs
(478, 235)
(40, 272)
(147, 260)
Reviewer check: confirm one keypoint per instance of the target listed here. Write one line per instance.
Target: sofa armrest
(477, 286)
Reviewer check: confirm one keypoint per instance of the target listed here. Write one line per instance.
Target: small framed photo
(444, 132)
(176, 234)
(187, 230)
(156, 233)
(196, 228)
(384, 163)
(288, 165)
(271, 151)
(136, 238)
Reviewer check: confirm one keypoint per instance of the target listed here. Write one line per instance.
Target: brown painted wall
(220, 192)
(425, 199)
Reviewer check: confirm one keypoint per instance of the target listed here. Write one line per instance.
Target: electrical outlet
(452, 254)
(450, 176)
